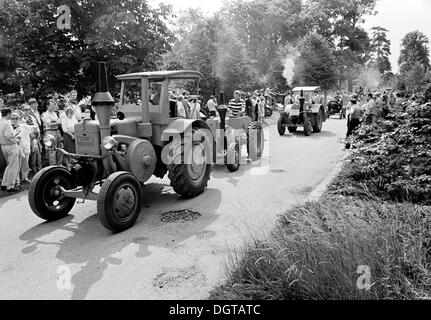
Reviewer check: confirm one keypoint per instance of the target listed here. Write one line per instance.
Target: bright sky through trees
(398, 16)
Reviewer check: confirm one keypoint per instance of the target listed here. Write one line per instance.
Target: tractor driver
(236, 105)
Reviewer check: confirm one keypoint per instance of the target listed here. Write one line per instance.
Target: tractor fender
(316, 108)
(180, 126)
(177, 128)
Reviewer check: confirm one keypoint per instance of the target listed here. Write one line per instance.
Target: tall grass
(316, 249)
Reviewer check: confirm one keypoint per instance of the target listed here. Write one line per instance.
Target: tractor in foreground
(121, 155)
(308, 111)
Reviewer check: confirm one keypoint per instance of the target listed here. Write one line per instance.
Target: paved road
(157, 259)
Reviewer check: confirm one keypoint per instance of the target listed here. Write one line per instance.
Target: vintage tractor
(231, 134)
(336, 107)
(308, 112)
(121, 155)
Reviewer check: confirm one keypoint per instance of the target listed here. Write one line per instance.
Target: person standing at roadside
(1, 105)
(73, 103)
(181, 110)
(52, 123)
(8, 143)
(371, 111)
(34, 112)
(354, 119)
(195, 109)
(212, 107)
(23, 131)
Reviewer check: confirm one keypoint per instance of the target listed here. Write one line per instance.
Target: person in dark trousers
(354, 121)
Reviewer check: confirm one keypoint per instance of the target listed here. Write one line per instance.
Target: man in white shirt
(23, 131)
(212, 107)
(52, 123)
(181, 110)
(8, 142)
(73, 103)
(34, 112)
(371, 111)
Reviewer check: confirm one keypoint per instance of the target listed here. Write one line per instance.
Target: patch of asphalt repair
(180, 216)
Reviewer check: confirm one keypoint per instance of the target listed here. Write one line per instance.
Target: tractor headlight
(108, 143)
(48, 140)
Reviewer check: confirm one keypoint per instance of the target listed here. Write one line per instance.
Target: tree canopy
(414, 49)
(247, 44)
(128, 35)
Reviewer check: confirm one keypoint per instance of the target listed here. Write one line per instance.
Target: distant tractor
(308, 112)
(336, 107)
(121, 155)
(231, 134)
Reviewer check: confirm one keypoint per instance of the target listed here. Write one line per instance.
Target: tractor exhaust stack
(222, 110)
(103, 101)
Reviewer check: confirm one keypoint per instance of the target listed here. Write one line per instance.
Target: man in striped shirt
(236, 105)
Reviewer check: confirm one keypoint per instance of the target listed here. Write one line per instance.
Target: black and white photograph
(215, 155)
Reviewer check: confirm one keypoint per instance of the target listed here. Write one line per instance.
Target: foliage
(414, 50)
(128, 35)
(381, 49)
(316, 65)
(393, 158)
(415, 77)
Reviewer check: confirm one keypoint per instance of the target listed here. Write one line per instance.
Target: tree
(381, 49)
(128, 35)
(414, 50)
(195, 48)
(340, 22)
(414, 79)
(233, 66)
(263, 26)
(316, 64)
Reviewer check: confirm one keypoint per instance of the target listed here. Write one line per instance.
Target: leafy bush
(393, 158)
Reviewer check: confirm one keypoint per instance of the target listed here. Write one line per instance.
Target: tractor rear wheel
(44, 194)
(268, 112)
(318, 120)
(189, 171)
(120, 201)
(281, 127)
(255, 140)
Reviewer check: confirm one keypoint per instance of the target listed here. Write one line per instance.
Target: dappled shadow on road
(314, 136)
(221, 172)
(90, 244)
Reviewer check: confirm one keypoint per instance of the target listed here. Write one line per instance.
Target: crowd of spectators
(365, 109)
(22, 130)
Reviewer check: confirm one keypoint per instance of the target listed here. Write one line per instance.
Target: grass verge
(315, 250)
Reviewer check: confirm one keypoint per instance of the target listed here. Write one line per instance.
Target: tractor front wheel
(120, 201)
(292, 129)
(189, 171)
(45, 196)
(281, 127)
(308, 127)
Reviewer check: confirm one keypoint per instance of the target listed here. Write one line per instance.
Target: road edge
(322, 187)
